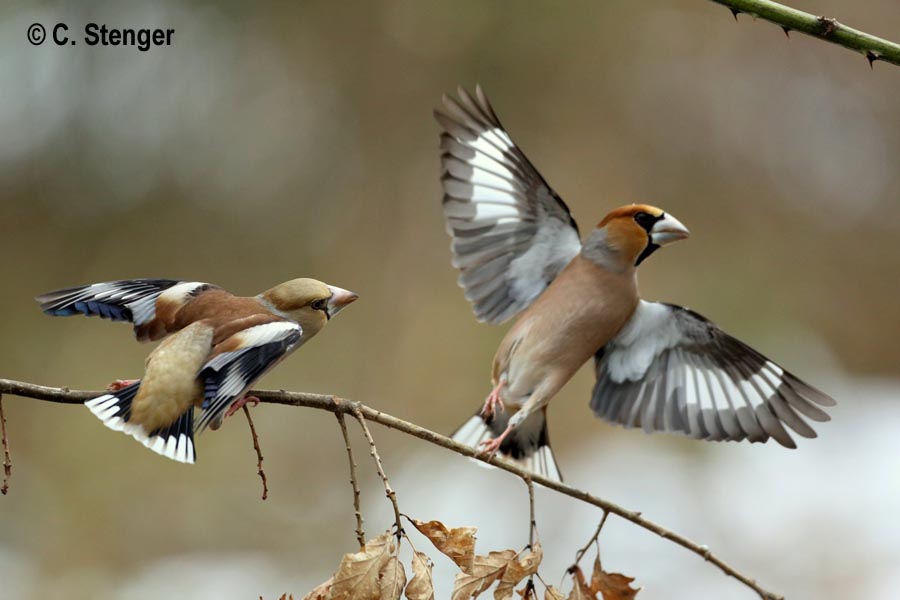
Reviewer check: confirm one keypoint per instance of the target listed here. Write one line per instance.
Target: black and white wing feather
(131, 300)
(228, 375)
(672, 370)
(512, 234)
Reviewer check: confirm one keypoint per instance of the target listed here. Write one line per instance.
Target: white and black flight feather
(512, 234)
(672, 370)
(227, 376)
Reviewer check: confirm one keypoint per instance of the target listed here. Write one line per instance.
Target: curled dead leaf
(392, 579)
(580, 589)
(420, 586)
(359, 575)
(457, 543)
(484, 572)
(612, 586)
(320, 592)
(551, 593)
(517, 570)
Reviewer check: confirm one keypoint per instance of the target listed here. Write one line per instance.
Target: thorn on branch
(872, 56)
(735, 12)
(7, 461)
(259, 455)
(787, 31)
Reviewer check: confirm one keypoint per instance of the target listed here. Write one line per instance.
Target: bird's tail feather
(175, 441)
(528, 445)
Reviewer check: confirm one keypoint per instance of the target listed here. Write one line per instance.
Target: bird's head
(309, 302)
(630, 234)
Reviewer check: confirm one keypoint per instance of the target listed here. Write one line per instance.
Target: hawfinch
(659, 367)
(216, 345)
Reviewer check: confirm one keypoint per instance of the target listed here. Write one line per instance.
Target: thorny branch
(379, 467)
(259, 456)
(364, 413)
(354, 482)
(7, 462)
(824, 28)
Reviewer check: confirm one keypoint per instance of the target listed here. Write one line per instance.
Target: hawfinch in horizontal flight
(659, 367)
(216, 346)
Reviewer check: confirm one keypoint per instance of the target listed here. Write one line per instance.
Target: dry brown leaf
(580, 589)
(320, 592)
(613, 586)
(527, 592)
(485, 571)
(392, 579)
(517, 570)
(551, 593)
(457, 543)
(358, 576)
(420, 586)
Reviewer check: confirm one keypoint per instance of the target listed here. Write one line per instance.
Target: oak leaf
(484, 572)
(457, 543)
(420, 586)
(612, 586)
(320, 592)
(580, 589)
(359, 575)
(392, 579)
(517, 570)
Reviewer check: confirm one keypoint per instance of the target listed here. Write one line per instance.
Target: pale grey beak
(668, 230)
(339, 299)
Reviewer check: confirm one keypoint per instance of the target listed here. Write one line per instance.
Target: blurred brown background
(277, 140)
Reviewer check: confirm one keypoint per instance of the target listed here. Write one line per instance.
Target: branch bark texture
(360, 411)
(824, 28)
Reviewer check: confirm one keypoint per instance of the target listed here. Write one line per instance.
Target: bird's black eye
(320, 304)
(645, 220)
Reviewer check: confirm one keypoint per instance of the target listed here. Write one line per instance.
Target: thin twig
(379, 467)
(334, 404)
(532, 523)
(580, 554)
(259, 456)
(824, 28)
(360, 532)
(7, 461)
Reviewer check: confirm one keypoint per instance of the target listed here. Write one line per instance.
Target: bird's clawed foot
(251, 400)
(120, 384)
(490, 446)
(493, 402)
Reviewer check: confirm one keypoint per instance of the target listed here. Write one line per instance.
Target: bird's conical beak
(668, 230)
(339, 299)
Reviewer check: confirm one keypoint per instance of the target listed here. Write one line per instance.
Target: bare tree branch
(7, 462)
(259, 456)
(364, 413)
(354, 483)
(379, 467)
(824, 28)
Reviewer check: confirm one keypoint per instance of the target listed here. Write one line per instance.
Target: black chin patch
(650, 249)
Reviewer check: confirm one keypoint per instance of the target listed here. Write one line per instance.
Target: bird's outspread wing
(512, 234)
(672, 370)
(131, 300)
(252, 352)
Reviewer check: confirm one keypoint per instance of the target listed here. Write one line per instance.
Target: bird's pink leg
(251, 400)
(119, 384)
(493, 401)
(490, 446)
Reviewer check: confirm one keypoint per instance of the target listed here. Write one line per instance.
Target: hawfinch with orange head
(659, 367)
(216, 345)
